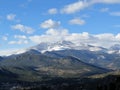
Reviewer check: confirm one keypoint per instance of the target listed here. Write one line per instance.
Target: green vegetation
(31, 71)
(38, 67)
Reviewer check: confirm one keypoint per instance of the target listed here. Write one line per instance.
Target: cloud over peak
(53, 35)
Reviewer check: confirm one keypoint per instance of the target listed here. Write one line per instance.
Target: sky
(25, 23)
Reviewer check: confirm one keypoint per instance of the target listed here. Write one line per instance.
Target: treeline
(107, 83)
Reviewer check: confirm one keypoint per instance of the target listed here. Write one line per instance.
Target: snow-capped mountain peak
(114, 49)
(63, 45)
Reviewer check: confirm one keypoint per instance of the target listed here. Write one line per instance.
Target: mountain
(43, 47)
(100, 59)
(37, 67)
(59, 59)
(65, 45)
(1, 58)
(95, 55)
(115, 47)
(99, 56)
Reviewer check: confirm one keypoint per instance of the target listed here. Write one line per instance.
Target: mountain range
(59, 59)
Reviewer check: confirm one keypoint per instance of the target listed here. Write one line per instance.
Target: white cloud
(115, 13)
(18, 42)
(12, 51)
(75, 7)
(118, 36)
(53, 35)
(11, 17)
(20, 36)
(77, 21)
(52, 11)
(106, 1)
(106, 40)
(82, 4)
(50, 24)
(58, 32)
(106, 36)
(23, 28)
(19, 39)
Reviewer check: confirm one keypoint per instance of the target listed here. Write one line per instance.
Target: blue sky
(25, 23)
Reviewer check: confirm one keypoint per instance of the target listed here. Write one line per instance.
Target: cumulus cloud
(118, 36)
(107, 37)
(23, 28)
(19, 39)
(52, 35)
(75, 7)
(56, 32)
(19, 42)
(12, 51)
(50, 24)
(52, 11)
(77, 21)
(82, 4)
(20, 36)
(106, 1)
(11, 17)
